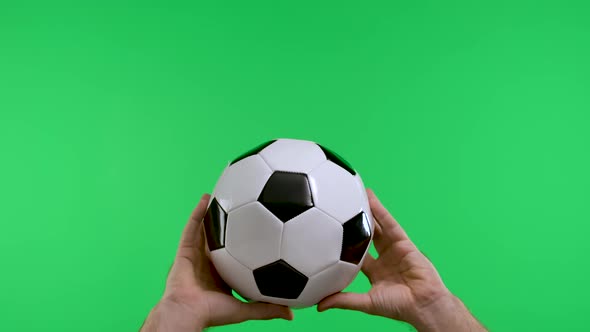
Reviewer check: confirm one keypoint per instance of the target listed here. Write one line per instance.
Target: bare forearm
(448, 314)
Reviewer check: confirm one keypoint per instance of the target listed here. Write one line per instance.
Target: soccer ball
(288, 223)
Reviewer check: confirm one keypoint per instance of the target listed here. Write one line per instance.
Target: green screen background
(470, 119)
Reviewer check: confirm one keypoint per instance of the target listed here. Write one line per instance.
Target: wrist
(172, 316)
(448, 313)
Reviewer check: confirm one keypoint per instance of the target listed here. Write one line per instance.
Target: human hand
(196, 297)
(405, 284)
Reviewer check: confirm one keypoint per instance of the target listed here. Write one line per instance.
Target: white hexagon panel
(312, 241)
(253, 235)
(235, 274)
(241, 182)
(327, 282)
(336, 191)
(291, 155)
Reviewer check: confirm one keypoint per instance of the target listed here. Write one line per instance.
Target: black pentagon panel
(286, 195)
(357, 237)
(338, 160)
(252, 152)
(280, 279)
(215, 225)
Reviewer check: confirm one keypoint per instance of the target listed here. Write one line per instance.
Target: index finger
(190, 238)
(390, 228)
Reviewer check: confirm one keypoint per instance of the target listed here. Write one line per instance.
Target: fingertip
(201, 208)
(374, 202)
(347, 301)
(283, 312)
(322, 308)
(325, 304)
(264, 311)
(289, 315)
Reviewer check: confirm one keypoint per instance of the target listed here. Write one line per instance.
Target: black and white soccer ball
(288, 223)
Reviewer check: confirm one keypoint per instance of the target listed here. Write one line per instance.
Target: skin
(195, 296)
(405, 286)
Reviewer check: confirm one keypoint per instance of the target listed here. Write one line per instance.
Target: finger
(390, 228)
(348, 301)
(378, 241)
(265, 311)
(251, 311)
(187, 255)
(190, 240)
(201, 251)
(204, 270)
(368, 264)
(378, 230)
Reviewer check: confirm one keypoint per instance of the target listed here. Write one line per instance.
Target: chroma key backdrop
(470, 120)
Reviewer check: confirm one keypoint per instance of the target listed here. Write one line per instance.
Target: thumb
(348, 301)
(263, 311)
